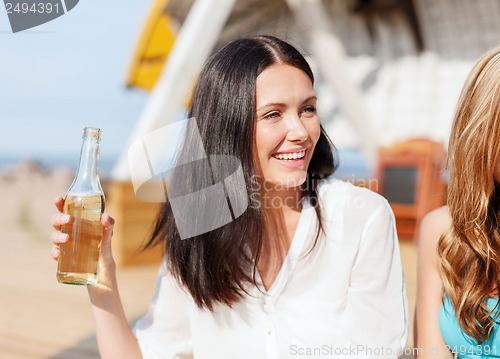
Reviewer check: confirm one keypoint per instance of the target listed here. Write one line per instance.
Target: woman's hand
(106, 261)
(114, 336)
(57, 221)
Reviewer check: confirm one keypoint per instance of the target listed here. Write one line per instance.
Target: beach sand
(40, 318)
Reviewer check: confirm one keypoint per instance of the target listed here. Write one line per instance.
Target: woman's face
(287, 125)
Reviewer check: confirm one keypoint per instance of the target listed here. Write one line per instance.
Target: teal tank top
(458, 342)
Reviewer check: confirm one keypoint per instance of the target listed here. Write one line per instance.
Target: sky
(69, 73)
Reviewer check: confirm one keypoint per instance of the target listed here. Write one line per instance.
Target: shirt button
(267, 304)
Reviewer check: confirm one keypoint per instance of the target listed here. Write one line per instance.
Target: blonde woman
(459, 249)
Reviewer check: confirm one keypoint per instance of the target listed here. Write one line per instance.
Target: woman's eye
(272, 115)
(310, 110)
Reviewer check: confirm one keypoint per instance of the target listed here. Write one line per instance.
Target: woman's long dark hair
(215, 266)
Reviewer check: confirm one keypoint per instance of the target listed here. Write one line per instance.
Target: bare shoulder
(434, 224)
(431, 228)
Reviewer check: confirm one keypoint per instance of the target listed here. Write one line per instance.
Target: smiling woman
(312, 262)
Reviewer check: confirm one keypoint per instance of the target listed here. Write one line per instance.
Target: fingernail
(67, 217)
(63, 237)
(111, 220)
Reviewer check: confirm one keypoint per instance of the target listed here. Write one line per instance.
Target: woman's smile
(291, 159)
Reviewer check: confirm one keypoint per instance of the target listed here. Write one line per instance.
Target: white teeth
(291, 156)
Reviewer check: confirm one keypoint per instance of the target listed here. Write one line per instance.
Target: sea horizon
(352, 164)
(52, 163)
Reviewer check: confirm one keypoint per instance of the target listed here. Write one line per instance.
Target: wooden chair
(410, 176)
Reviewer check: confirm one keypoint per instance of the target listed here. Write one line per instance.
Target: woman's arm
(114, 336)
(427, 335)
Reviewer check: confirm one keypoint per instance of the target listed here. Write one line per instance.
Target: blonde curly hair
(470, 248)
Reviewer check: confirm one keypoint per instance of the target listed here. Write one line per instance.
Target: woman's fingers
(58, 237)
(55, 252)
(59, 202)
(60, 219)
(57, 221)
(108, 223)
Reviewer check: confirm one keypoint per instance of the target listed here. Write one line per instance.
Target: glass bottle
(84, 201)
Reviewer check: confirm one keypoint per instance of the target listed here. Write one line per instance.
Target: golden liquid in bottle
(79, 259)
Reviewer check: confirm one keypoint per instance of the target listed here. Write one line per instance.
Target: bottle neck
(87, 178)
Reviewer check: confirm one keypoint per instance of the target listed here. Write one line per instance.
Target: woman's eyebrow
(279, 104)
(309, 99)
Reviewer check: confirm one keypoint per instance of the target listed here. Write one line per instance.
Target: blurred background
(388, 75)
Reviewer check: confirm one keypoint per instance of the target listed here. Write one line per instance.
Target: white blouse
(347, 298)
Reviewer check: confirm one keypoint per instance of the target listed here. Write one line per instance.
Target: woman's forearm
(114, 335)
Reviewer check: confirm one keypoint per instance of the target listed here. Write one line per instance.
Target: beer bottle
(84, 201)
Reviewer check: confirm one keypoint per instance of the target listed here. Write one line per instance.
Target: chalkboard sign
(400, 184)
(409, 177)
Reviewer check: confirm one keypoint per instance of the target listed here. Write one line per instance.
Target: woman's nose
(297, 132)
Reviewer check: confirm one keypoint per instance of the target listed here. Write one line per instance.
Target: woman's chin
(283, 184)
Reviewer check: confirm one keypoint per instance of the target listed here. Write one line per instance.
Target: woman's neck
(281, 201)
(281, 212)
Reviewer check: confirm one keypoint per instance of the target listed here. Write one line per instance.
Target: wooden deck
(44, 319)
(40, 318)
